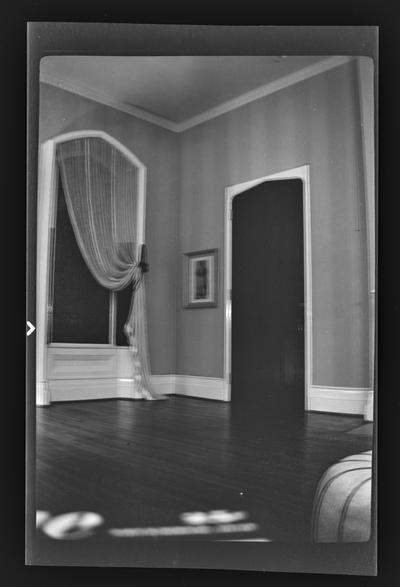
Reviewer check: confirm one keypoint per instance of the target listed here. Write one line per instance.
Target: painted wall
(314, 122)
(367, 107)
(157, 148)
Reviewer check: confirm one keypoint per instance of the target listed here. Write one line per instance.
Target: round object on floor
(342, 502)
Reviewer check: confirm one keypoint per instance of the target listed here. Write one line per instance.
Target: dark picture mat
(211, 257)
(201, 285)
(18, 405)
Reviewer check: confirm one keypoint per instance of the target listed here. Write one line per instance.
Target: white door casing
(303, 173)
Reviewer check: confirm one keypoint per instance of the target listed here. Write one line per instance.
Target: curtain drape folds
(101, 188)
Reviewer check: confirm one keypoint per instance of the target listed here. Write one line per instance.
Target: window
(81, 310)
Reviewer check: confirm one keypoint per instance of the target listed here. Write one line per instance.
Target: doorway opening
(242, 277)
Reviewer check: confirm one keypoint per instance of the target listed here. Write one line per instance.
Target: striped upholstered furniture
(342, 502)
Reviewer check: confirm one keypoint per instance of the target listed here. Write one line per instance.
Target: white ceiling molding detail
(262, 91)
(265, 90)
(86, 92)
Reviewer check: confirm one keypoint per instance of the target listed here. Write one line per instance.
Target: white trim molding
(43, 395)
(338, 400)
(85, 388)
(125, 389)
(213, 388)
(164, 384)
(365, 70)
(227, 106)
(265, 90)
(102, 98)
(369, 406)
(63, 390)
(303, 173)
(45, 219)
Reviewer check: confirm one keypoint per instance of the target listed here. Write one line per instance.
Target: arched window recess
(100, 187)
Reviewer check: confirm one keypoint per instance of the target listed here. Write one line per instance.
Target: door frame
(303, 173)
(47, 185)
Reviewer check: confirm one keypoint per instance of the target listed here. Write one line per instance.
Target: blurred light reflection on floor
(79, 525)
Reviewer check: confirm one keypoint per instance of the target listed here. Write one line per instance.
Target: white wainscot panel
(81, 373)
(81, 363)
(66, 390)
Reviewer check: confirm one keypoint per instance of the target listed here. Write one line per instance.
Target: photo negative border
(99, 38)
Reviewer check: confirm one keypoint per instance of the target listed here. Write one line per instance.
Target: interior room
(205, 298)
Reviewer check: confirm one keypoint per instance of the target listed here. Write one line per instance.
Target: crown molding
(262, 91)
(86, 92)
(228, 106)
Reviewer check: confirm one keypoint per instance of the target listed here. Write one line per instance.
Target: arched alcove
(98, 369)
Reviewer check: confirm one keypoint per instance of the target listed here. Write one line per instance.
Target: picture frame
(200, 279)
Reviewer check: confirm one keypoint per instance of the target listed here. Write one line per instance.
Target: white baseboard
(369, 406)
(190, 386)
(42, 393)
(87, 389)
(202, 387)
(126, 389)
(62, 390)
(339, 400)
(164, 384)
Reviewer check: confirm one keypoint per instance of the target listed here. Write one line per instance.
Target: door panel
(268, 299)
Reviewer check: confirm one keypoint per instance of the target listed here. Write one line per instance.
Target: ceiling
(177, 88)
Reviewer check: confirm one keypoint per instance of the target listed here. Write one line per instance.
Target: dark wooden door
(268, 301)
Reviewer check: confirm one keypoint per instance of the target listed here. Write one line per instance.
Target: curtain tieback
(143, 264)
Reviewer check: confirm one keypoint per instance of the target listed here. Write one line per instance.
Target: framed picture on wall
(200, 279)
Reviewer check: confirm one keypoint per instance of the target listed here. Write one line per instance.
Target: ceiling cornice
(86, 92)
(256, 94)
(262, 91)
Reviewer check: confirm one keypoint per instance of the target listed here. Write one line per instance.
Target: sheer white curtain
(100, 186)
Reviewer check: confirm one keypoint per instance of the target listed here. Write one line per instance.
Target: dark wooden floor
(142, 464)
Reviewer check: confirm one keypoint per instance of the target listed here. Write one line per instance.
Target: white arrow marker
(31, 328)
